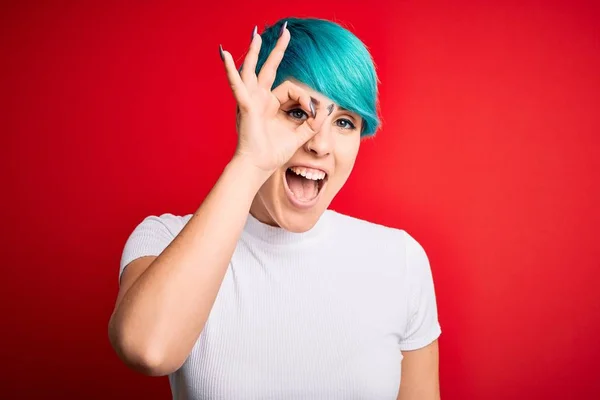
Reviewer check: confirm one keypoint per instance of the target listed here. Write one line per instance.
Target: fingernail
(312, 109)
(221, 53)
(282, 28)
(254, 31)
(330, 109)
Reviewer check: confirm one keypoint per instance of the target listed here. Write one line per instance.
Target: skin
(149, 328)
(420, 374)
(333, 148)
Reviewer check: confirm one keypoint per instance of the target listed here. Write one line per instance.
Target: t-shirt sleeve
(423, 326)
(150, 237)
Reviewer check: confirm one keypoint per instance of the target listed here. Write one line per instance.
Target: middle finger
(249, 67)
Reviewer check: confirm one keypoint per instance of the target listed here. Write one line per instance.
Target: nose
(322, 143)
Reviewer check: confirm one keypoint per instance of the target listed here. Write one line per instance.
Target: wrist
(247, 172)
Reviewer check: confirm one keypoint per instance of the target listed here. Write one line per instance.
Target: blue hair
(332, 61)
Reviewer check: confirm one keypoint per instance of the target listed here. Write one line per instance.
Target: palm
(264, 138)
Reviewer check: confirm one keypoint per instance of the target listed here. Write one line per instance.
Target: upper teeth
(309, 173)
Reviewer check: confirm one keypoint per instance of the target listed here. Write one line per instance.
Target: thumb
(310, 128)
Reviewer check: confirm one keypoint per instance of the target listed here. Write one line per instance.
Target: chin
(291, 203)
(295, 212)
(287, 216)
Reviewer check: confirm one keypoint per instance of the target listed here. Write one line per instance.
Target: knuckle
(285, 86)
(271, 71)
(244, 107)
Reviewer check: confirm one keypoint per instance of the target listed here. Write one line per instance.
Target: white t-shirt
(322, 314)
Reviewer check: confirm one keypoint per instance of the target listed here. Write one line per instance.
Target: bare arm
(420, 374)
(164, 302)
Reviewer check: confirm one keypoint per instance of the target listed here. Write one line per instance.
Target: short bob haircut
(332, 61)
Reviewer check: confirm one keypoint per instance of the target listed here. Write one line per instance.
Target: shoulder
(155, 232)
(151, 236)
(370, 232)
(166, 223)
(380, 246)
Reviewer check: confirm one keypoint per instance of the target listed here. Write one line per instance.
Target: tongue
(303, 189)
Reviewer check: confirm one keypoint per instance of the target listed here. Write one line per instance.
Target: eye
(297, 113)
(345, 124)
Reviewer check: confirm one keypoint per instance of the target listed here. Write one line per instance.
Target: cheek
(345, 156)
(269, 190)
(343, 168)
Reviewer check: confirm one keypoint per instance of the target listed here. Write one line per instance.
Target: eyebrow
(350, 113)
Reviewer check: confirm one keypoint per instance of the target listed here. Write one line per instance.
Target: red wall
(489, 156)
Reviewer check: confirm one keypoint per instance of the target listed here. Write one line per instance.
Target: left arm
(420, 374)
(419, 342)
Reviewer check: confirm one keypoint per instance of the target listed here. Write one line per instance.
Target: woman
(263, 292)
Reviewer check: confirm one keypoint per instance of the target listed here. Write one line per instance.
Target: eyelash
(349, 124)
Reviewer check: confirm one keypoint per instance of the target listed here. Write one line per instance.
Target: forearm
(161, 316)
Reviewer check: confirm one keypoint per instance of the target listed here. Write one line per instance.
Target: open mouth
(305, 184)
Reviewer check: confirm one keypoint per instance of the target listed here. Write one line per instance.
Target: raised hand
(267, 139)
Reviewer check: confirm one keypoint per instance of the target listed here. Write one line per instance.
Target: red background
(112, 111)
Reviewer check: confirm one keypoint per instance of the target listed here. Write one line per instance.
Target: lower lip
(303, 205)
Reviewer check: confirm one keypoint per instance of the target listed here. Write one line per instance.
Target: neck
(260, 213)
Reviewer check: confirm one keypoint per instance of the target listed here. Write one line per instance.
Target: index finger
(309, 128)
(288, 91)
